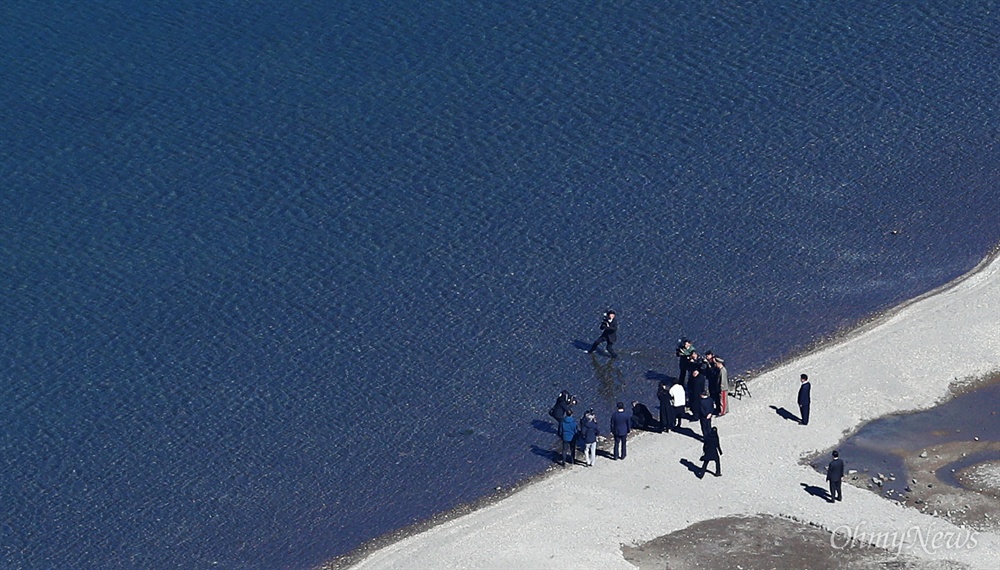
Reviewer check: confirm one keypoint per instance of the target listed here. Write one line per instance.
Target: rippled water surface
(282, 278)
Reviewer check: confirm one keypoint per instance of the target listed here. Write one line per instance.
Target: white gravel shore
(581, 517)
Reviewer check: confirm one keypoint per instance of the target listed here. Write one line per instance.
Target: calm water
(282, 278)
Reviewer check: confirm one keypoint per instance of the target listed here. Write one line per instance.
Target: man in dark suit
(609, 334)
(804, 399)
(620, 426)
(663, 395)
(696, 385)
(711, 451)
(834, 474)
(706, 411)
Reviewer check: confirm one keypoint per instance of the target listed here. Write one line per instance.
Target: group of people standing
(587, 431)
(702, 386)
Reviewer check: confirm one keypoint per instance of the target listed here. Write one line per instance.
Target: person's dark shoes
(718, 474)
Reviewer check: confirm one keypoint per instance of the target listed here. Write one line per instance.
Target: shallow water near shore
(281, 279)
(883, 446)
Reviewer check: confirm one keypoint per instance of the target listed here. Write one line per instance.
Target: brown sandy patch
(765, 542)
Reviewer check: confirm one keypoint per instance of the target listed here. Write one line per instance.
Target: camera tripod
(740, 389)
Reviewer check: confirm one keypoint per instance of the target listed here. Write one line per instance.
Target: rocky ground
(765, 543)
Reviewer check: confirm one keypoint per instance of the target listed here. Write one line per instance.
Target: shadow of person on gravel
(817, 492)
(696, 469)
(785, 414)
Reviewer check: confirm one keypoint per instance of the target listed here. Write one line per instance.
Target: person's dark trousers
(610, 350)
(835, 494)
(804, 412)
(671, 419)
(607, 347)
(718, 467)
(682, 367)
(717, 398)
(678, 415)
(706, 426)
(571, 445)
(623, 440)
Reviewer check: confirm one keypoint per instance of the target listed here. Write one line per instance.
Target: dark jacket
(610, 329)
(696, 385)
(804, 390)
(835, 471)
(706, 407)
(711, 449)
(641, 416)
(715, 386)
(568, 428)
(663, 395)
(559, 410)
(620, 423)
(590, 431)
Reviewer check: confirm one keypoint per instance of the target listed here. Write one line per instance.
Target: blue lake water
(279, 279)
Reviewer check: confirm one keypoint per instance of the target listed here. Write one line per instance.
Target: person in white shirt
(677, 406)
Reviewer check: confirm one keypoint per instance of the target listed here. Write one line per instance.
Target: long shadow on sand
(816, 491)
(785, 414)
(689, 433)
(694, 469)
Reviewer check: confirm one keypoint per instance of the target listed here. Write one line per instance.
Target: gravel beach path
(580, 517)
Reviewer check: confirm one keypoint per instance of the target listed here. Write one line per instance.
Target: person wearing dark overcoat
(712, 451)
(706, 411)
(804, 399)
(620, 426)
(663, 395)
(696, 385)
(835, 474)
